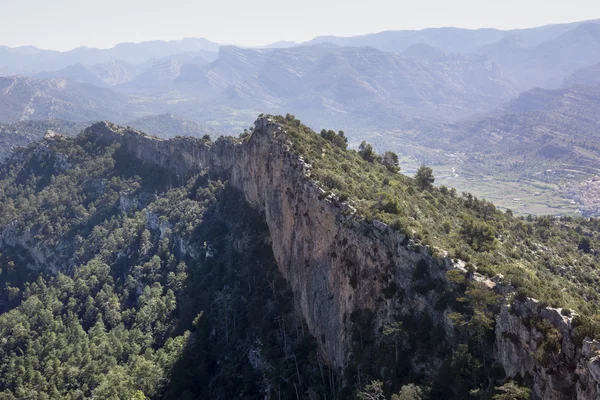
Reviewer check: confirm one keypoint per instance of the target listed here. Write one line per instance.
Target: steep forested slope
(117, 285)
(281, 265)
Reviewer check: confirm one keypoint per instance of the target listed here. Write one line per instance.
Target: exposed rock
(42, 255)
(573, 373)
(338, 264)
(127, 202)
(335, 262)
(50, 134)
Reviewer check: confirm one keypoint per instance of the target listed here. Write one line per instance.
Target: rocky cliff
(336, 263)
(339, 265)
(565, 371)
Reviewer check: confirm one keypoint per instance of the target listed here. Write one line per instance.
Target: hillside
(550, 62)
(279, 264)
(106, 74)
(547, 140)
(21, 134)
(30, 99)
(168, 125)
(453, 40)
(589, 75)
(537, 118)
(162, 72)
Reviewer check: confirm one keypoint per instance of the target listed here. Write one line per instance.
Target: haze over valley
(419, 93)
(410, 214)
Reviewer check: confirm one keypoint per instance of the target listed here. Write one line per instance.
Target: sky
(66, 24)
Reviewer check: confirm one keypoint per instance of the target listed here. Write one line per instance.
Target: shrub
(424, 177)
(478, 234)
(339, 139)
(365, 150)
(391, 162)
(585, 245)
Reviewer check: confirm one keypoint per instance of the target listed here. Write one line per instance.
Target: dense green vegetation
(161, 292)
(540, 256)
(551, 259)
(116, 284)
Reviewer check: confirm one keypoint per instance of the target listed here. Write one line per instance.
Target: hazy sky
(65, 24)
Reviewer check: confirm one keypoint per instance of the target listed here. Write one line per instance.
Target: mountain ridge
(315, 231)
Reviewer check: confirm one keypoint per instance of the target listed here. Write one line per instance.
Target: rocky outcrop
(40, 256)
(561, 373)
(339, 265)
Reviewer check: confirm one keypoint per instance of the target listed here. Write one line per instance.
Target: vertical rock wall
(338, 264)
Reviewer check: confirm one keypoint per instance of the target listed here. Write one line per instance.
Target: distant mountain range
(168, 125)
(33, 99)
(559, 124)
(452, 40)
(356, 87)
(31, 60)
(498, 98)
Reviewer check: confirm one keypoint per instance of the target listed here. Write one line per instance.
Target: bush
(585, 245)
(478, 234)
(365, 150)
(447, 226)
(339, 139)
(391, 162)
(332, 181)
(424, 177)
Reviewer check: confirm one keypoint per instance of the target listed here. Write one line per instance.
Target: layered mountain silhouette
(508, 95)
(24, 98)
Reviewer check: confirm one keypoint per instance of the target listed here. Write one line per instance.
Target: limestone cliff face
(338, 264)
(568, 372)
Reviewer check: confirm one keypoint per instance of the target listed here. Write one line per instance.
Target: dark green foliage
(339, 139)
(478, 234)
(424, 177)
(162, 290)
(391, 161)
(585, 244)
(585, 327)
(365, 150)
